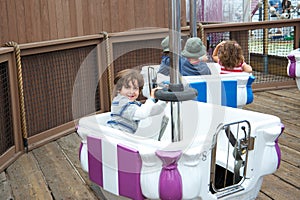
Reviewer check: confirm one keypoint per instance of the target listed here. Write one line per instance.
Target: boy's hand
(152, 94)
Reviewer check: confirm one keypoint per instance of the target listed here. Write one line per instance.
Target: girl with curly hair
(229, 55)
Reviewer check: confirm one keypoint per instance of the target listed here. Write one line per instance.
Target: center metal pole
(175, 49)
(193, 20)
(174, 40)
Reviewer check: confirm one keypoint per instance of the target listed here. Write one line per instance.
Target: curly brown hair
(124, 77)
(230, 54)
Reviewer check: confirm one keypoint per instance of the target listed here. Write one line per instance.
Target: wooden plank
(286, 109)
(20, 13)
(12, 21)
(130, 12)
(5, 189)
(79, 17)
(291, 127)
(166, 13)
(160, 14)
(289, 141)
(60, 19)
(70, 146)
(45, 22)
(106, 16)
(26, 179)
(36, 21)
(85, 17)
(290, 93)
(73, 13)
(289, 173)
(262, 196)
(53, 34)
(183, 13)
(126, 15)
(263, 106)
(151, 13)
(289, 96)
(286, 101)
(61, 176)
(98, 16)
(139, 10)
(295, 121)
(275, 188)
(110, 196)
(66, 17)
(114, 16)
(259, 106)
(122, 5)
(92, 18)
(290, 156)
(4, 35)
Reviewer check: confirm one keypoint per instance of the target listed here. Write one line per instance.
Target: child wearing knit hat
(164, 67)
(191, 63)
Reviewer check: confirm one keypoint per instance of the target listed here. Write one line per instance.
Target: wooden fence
(40, 20)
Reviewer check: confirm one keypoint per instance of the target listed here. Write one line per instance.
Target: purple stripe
(278, 148)
(129, 169)
(80, 148)
(292, 67)
(95, 160)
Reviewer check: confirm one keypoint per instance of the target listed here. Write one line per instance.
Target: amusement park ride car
(210, 148)
(293, 68)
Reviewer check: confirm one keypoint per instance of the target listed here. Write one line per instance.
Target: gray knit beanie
(165, 44)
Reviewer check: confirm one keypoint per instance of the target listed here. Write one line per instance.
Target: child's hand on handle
(152, 94)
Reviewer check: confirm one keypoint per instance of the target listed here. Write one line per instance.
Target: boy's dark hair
(124, 77)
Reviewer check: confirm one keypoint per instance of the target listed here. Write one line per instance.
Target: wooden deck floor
(53, 171)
